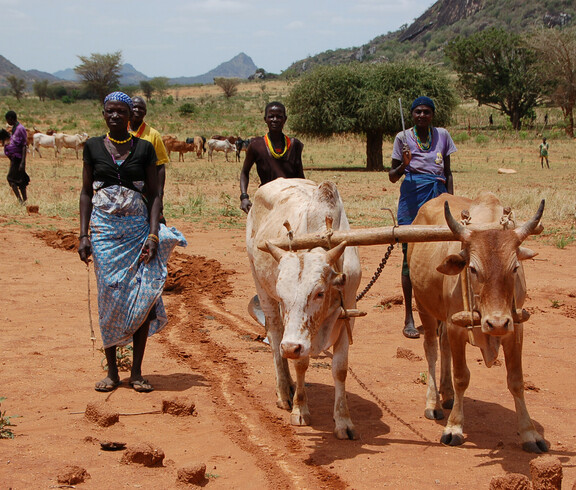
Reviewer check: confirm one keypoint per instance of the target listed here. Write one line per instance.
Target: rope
(92, 334)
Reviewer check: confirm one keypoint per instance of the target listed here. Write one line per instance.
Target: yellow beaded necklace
(271, 148)
(118, 142)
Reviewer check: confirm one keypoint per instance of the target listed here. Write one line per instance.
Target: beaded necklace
(118, 142)
(423, 146)
(273, 152)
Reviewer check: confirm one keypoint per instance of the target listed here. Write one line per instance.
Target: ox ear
(334, 253)
(525, 253)
(339, 280)
(275, 251)
(452, 265)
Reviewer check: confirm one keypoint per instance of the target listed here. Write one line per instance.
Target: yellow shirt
(150, 134)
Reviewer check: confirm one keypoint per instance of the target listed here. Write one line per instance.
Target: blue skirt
(128, 290)
(417, 189)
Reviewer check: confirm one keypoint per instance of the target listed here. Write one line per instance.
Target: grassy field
(207, 193)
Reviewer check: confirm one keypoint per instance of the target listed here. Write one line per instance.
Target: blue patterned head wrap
(423, 101)
(120, 97)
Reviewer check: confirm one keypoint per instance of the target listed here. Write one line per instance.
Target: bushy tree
(147, 89)
(160, 85)
(17, 86)
(498, 69)
(228, 85)
(40, 88)
(100, 73)
(557, 66)
(363, 99)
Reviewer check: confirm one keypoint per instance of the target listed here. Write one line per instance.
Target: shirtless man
(274, 154)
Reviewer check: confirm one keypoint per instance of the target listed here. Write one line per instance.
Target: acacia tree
(147, 89)
(228, 85)
(17, 86)
(363, 99)
(100, 73)
(160, 85)
(498, 69)
(40, 88)
(557, 65)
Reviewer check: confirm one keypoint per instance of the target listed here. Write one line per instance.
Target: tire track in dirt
(254, 429)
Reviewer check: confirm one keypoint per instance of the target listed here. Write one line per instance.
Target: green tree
(557, 65)
(100, 73)
(16, 86)
(147, 89)
(40, 88)
(498, 69)
(160, 85)
(363, 99)
(228, 85)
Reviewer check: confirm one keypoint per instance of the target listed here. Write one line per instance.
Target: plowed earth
(211, 353)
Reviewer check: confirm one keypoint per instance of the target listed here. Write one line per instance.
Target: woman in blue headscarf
(120, 204)
(424, 161)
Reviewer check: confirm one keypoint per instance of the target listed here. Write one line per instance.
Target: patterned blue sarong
(417, 189)
(129, 289)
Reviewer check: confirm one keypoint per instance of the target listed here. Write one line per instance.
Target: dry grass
(207, 193)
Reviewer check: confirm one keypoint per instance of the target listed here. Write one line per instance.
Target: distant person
(491, 120)
(119, 227)
(275, 154)
(424, 160)
(544, 147)
(546, 119)
(15, 150)
(142, 130)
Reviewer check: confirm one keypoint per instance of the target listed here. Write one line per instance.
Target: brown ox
(492, 261)
(181, 147)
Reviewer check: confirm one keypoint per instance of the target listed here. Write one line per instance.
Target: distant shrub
(187, 109)
(460, 137)
(168, 100)
(481, 139)
(68, 99)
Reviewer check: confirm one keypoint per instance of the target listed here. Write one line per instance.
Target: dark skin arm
(22, 165)
(249, 161)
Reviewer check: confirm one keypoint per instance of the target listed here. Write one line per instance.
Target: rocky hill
(241, 66)
(425, 38)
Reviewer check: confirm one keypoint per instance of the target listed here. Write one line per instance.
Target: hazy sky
(187, 38)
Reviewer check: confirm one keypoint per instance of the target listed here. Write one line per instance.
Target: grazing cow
(220, 145)
(492, 284)
(231, 139)
(75, 142)
(199, 143)
(301, 293)
(45, 140)
(181, 147)
(241, 145)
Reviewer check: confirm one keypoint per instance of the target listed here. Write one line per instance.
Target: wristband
(84, 236)
(244, 196)
(154, 238)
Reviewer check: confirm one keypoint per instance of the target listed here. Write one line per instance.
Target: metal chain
(377, 273)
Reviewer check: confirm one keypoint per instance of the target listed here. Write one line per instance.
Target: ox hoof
(537, 447)
(434, 414)
(448, 404)
(346, 433)
(284, 404)
(299, 419)
(449, 439)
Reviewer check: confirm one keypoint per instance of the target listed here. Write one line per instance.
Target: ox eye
(473, 269)
(319, 294)
(515, 269)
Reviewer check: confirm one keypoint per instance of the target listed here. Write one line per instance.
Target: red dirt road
(209, 354)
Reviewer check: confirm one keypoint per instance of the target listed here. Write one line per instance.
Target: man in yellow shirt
(142, 130)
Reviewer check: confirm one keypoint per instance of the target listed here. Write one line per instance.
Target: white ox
(47, 141)
(75, 141)
(220, 145)
(301, 292)
(491, 261)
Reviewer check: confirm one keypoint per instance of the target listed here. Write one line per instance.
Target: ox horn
(334, 254)
(457, 228)
(528, 228)
(275, 251)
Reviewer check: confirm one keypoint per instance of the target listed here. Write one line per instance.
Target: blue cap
(423, 101)
(120, 97)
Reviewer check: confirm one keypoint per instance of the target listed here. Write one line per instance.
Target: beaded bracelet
(84, 236)
(244, 196)
(154, 238)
